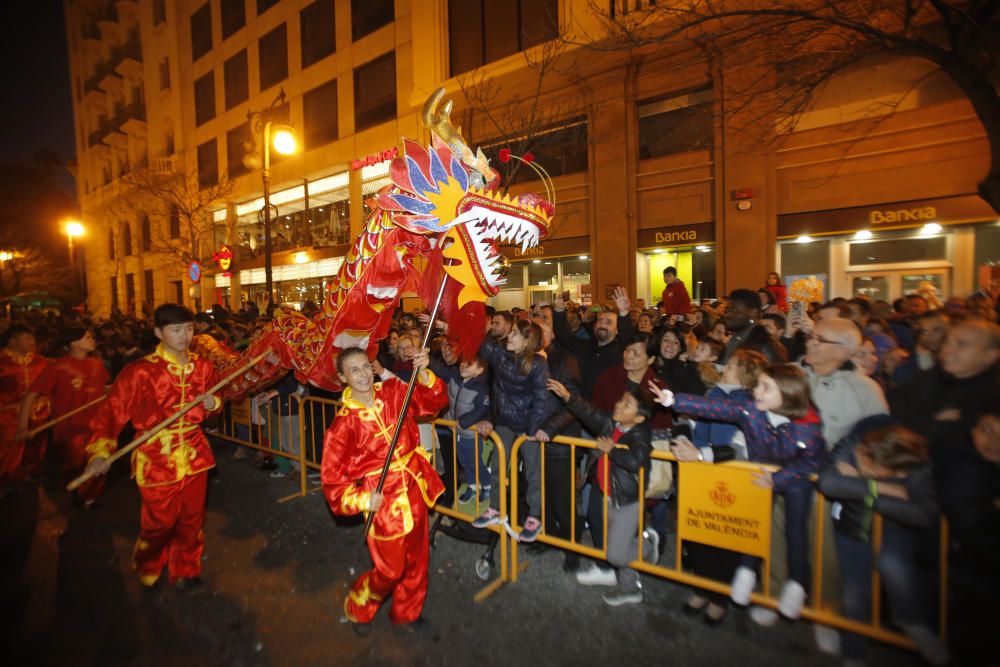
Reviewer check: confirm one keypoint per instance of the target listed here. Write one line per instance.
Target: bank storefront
(890, 250)
(539, 274)
(690, 249)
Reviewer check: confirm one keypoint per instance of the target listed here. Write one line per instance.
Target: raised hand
(622, 302)
(664, 397)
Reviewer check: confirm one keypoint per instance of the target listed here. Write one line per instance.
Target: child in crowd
(706, 356)
(716, 442)
(623, 448)
(469, 404)
(882, 468)
(782, 428)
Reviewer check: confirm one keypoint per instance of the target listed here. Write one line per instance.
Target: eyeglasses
(820, 339)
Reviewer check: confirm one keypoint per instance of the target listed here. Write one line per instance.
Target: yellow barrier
(260, 431)
(454, 513)
(315, 415)
(812, 612)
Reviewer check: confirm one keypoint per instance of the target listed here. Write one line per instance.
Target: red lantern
(224, 259)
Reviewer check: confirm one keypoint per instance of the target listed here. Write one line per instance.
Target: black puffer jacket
(562, 367)
(520, 400)
(630, 454)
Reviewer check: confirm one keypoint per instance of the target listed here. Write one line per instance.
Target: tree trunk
(984, 99)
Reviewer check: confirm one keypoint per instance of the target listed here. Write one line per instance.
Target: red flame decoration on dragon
(443, 206)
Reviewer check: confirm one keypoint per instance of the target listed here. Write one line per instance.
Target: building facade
(648, 171)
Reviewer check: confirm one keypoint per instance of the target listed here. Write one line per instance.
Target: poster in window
(807, 288)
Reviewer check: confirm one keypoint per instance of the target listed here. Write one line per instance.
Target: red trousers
(170, 530)
(400, 570)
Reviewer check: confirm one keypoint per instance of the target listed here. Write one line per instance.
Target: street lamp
(283, 139)
(74, 228)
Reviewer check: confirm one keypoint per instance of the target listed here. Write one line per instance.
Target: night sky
(37, 114)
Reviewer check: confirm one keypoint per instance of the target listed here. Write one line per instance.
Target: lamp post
(283, 138)
(74, 228)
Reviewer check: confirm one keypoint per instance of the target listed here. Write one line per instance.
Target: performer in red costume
(171, 469)
(354, 451)
(66, 384)
(19, 366)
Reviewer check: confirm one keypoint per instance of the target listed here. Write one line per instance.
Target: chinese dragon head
(442, 215)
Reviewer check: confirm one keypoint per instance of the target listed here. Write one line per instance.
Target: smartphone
(565, 295)
(798, 310)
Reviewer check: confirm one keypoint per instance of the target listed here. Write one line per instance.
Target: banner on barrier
(241, 411)
(721, 507)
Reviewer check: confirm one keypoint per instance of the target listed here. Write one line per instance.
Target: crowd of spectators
(889, 409)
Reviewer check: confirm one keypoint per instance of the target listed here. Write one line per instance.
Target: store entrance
(695, 266)
(891, 285)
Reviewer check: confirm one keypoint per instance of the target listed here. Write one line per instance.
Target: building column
(745, 238)
(613, 223)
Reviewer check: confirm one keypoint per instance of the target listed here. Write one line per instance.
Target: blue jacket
(710, 433)
(520, 401)
(798, 446)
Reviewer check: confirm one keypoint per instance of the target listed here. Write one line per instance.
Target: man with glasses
(843, 396)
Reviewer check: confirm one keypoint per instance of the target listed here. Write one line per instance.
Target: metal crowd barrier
(813, 611)
(263, 426)
(455, 513)
(301, 440)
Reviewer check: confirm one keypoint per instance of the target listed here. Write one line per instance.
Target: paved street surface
(275, 579)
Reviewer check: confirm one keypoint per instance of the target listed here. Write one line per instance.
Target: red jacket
(780, 294)
(146, 392)
(675, 299)
(612, 383)
(355, 447)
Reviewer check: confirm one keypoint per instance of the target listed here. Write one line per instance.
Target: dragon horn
(439, 122)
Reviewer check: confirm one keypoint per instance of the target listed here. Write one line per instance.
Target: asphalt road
(276, 575)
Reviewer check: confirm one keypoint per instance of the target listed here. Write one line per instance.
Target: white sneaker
(763, 616)
(742, 586)
(928, 643)
(827, 639)
(595, 576)
(651, 544)
(793, 596)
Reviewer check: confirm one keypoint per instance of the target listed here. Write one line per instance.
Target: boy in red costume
(19, 366)
(66, 384)
(171, 469)
(354, 450)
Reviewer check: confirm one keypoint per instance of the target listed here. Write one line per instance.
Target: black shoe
(571, 563)
(362, 629)
(535, 548)
(189, 584)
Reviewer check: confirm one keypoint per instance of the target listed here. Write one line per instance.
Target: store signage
(924, 213)
(943, 210)
(576, 245)
(690, 234)
(375, 158)
(224, 260)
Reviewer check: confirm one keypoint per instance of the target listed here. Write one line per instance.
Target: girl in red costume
(170, 469)
(354, 450)
(66, 384)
